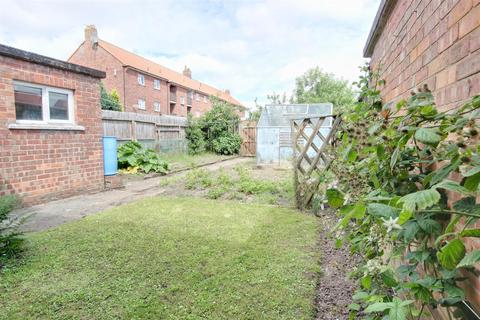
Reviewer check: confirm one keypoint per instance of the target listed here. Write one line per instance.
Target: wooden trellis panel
(310, 149)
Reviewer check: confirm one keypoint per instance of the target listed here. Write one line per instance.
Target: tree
(109, 101)
(256, 113)
(316, 86)
(276, 98)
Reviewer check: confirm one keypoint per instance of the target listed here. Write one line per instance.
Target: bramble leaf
(451, 254)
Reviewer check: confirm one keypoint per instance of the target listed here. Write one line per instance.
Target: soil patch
(334, 288)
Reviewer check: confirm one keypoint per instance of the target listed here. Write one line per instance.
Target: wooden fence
(160, 132)
(248, 132)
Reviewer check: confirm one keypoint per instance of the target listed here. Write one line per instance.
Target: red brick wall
(434, 42)
(100, 59)
(41, 165)
(438, 43)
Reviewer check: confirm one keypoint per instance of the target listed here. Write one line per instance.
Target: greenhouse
(274, 129)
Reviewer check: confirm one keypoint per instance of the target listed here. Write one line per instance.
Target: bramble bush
(394, 190)
(132, 156)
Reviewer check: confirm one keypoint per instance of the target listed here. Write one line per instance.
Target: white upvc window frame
(182, 100)
(205, 99)
(155, 82)
(141, 106)
(141, 79)
(155, 104)
(46, 104)
(197, 96)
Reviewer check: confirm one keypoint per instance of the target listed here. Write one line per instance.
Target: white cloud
(249, 47)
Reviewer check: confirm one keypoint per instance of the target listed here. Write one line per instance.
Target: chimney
(91, 35)
(227, 91)
(187, 72)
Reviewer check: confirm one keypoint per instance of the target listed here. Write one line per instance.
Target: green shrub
(214, 130)
(109, 101)
(132, 154)
(216, 192)
(195, 136)
(198, 178)
(227, 144)
(10, 240)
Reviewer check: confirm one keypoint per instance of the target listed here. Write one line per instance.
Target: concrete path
(51, 214)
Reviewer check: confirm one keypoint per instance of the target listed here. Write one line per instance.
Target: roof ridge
(217, 92)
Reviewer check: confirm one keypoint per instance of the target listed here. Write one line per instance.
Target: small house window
(156, 106)
(182, 100)
(141, 104)
(197, 97)
(205, 99)
(35, 103)
(141, 79)
(156, 84)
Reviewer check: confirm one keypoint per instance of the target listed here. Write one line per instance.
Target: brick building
(145, 86)
(50, 127)
(433, 42)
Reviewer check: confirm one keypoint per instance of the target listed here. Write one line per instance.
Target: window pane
(28, 103)
(58, 103)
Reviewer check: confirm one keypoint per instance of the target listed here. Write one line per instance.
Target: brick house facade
(145, 86)
(50, 127)
(432, 42)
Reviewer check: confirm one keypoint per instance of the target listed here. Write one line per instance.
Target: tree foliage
(194, 135)
(109, 101)
(316, 86)
(218, 127)
(393, 191)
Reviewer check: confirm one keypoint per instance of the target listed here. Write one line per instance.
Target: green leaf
(366, 282)
(471, 183)
(399, 310)
(382, 210)
(470, 259)
(378, 307)
(429, 225)
(453, 222)
(472, 171)
(411, 228)
(467, 205)
(428, 136)
(451, 254)
(420, 200)
(442, 173)
(404, 216)
(470, 233)
(335, 198)
(452, 186)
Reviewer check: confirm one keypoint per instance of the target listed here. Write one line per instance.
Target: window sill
(43, 126)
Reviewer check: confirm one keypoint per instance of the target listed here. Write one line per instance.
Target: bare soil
(334, 288)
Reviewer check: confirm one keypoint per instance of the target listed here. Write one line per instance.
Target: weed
(198, 178)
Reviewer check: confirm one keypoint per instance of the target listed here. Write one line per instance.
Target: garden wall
(432, 42)
(41, 160)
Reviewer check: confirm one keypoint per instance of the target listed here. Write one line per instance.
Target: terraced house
(143, 85)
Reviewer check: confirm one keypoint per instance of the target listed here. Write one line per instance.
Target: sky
(251, 47)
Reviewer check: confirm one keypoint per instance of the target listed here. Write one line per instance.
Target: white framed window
(141, 104)
(156, 106)
(182, 100)
(197, 97)
(205, 99)
(156, 84)
(141, 79)
(42, 104)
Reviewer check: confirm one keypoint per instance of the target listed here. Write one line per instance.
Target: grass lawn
(168, 258)
(185, 160)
